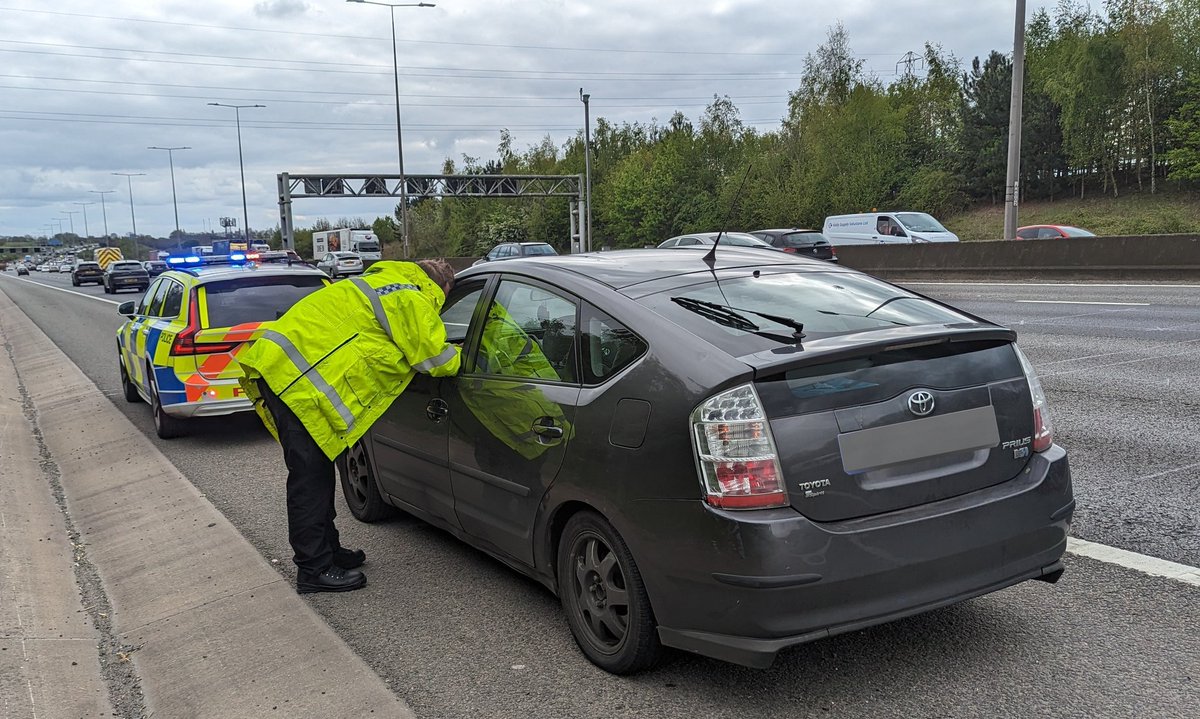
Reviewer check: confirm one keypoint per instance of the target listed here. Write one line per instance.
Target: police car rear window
(256, 299)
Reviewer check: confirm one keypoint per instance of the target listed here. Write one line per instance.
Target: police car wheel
(127, 387)
(165, 426)
(359, 488)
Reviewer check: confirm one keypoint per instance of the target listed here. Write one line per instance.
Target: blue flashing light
(188, 260)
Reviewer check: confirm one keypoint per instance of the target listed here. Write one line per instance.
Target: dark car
(1050, 232)
(513, 250)
(799, 241)
(22, 268)
(708, 239)
(86, 272)
(729, 460)
(125, 275)
(154, 268)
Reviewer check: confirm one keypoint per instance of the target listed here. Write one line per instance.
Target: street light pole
(1012, 184)
(171, 159)
(132, 217)
(103, 210)
(237, 114)
(587, 166)
(71, 215)
(399, 136)
(84, 205)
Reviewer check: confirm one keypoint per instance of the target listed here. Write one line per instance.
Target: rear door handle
(545, 428)
(437, 410)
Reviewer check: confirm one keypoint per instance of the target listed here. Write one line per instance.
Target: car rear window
(539, 250)
(256, 299)
(826, 303)
(88, 266)
(803, 239)
(127, 266)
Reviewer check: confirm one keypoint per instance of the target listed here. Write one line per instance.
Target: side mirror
(126, 308)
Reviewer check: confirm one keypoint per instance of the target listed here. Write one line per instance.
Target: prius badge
(920, 403)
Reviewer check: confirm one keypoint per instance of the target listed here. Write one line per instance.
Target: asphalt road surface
(457, 634)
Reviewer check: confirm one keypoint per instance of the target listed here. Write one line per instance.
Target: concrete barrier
(1145, 257)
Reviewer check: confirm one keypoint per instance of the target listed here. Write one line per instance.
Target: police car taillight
(185, 343)
(736, 456)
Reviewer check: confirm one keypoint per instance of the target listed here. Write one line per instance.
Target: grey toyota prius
(729, 457)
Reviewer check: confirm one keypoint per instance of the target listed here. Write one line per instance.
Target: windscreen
(256, 299)
(919, 222)
(1077, 232)
(826, 303)
(368, 246)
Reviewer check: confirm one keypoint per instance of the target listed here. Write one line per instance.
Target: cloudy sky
(86, 87)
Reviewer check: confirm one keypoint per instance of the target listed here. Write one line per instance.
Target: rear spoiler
(859, 344)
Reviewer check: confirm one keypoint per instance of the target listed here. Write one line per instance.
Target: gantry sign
(293, 187)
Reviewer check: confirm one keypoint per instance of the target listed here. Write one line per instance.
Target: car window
(173, 302)
(125, 266)
(608, 345)
(1027, 234)
(687, 241)
(803, 239)
(529, 332)
(534, 250)
(255, 299)
(457, 313)
(1048, 233)
(826, 304)
(151, 299)
(669, 243)
(88, 266)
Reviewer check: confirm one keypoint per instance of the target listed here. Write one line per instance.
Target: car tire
(165, 426)
(127, 386)
(359, 487)
(74, 282)
(595, 567)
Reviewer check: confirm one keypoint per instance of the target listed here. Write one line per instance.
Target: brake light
(735, 453)
(791, 250)
(185, 343)
(1043, 423)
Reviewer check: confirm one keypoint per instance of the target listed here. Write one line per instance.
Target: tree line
(1111, 105)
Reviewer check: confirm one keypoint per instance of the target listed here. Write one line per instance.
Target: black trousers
(310, 487)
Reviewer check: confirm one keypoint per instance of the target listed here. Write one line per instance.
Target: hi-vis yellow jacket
(340, 356)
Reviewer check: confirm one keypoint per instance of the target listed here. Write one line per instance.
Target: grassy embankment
(1132, 213)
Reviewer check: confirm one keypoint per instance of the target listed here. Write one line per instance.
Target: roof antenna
(710, 259)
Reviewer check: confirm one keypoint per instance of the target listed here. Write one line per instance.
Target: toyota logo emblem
(920, 403)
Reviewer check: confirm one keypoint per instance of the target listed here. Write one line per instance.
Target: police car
(178, 348)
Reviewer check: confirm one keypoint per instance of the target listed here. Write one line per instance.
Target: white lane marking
(1132, 560)
(1110, 354)
(70, 292)
(1164, 285)
(1079, 302)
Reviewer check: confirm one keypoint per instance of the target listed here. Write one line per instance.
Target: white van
(875, 228)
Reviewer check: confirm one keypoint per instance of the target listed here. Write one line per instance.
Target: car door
(136, 332)
(409, 440)
(511, 412)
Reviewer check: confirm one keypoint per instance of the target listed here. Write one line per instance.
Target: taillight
(739, 467)
(1043, 423)
(185, 342)
(791, 250)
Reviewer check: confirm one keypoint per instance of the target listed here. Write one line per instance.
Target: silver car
(341, 264)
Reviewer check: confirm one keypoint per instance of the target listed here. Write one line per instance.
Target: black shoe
(348, 558)
(334, 579)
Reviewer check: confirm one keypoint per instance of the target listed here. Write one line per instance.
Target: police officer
(321, 376)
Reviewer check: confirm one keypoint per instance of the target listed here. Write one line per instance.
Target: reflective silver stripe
(376, 304)
(319, 382)
(442, 358)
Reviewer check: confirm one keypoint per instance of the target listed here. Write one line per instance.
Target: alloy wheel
(601, 591)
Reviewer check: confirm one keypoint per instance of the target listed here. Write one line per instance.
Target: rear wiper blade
(717, 313)
(730, 317)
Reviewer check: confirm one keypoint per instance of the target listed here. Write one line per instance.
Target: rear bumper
(208, 408)
(741, 588)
